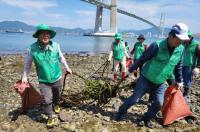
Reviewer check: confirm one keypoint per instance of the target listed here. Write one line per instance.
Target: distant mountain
(17, 25)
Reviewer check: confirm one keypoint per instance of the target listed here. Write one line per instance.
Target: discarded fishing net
(99, 90)
(98, 87)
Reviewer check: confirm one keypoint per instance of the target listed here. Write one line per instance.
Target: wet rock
(177, 130)
(106, 118)
(65, 116)
(72, 127)
(6, 126)
(105, 130)
(98, 115)
(150, 130)
(198, 122)
(90, 112)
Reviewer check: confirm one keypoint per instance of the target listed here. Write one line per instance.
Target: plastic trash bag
(174, 106)
(129, 62)
(30, 96)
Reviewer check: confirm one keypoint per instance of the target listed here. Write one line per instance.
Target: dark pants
(140, 69)
(187, 79)
(50, 93)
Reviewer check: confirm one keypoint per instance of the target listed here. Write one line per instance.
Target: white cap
(181, 31)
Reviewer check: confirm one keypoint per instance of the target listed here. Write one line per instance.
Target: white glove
(179, 85)
(109, 59)
(110, 56)
(195, 72)
(24, 80)
(69, 71)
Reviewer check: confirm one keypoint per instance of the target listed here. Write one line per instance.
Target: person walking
(191, 57)
(119, 54)
(46, 56)
(138, 50)
(161, 58)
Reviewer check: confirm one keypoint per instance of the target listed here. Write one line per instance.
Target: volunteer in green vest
(138, 49)
(47, 57)
(160, 60)
(190, 63)
(119, 54)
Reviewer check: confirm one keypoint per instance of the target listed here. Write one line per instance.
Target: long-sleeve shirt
(111, 51)
(151, 52)
(29, 59)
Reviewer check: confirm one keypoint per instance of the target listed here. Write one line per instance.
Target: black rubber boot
(119, 116)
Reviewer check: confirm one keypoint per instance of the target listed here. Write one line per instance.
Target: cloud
(84, 13)
(55, 15)
(176, 11)
(29, 13)
(143, 10)
(30, 4)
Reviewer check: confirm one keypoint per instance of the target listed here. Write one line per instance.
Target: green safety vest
(46, 62)
(118, 51)
(139, 49)
(190, 58)
(161, 67)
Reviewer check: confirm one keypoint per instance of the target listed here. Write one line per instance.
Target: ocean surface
(17, 43)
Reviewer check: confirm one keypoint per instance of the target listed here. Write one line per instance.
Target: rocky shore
(84, 117)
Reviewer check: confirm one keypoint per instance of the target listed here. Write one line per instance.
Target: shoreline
(79, 53)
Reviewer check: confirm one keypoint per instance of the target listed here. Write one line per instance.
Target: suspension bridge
(113, 17)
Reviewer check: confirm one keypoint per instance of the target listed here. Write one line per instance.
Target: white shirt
(29, 59)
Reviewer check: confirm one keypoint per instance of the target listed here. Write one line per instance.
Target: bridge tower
(98, 20)
(161, 26)
(113, 16)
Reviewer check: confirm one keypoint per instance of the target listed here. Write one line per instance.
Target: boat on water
(14, 31)
(100, 34)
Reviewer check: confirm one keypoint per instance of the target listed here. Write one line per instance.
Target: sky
(76, 13)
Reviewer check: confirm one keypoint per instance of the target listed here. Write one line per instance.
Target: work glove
(69, 71)
(179, 85)
(109, 59)
(24, 80)
(130, 75)
(195, 72)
